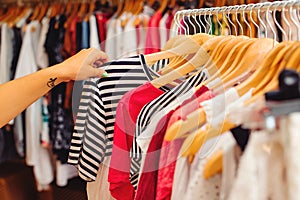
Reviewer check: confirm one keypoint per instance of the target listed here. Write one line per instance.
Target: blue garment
(85, 42)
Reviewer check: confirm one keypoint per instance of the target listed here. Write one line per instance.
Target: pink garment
(127, 112)
(102, 19)
(170, 150)
(169, 23)
(73, 35)
(148, 181)
(153, 36)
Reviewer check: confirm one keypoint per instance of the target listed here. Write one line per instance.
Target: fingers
(96, 73)
(97, 55)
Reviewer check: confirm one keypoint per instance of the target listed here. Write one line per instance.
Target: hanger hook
(276, 4)
(195, 18)
(268, 4)
(243, 7)
(177, 23)
(251, 17)
(261, 21)
(286, 21)
(187, 28)
(210, 21)
(292, 15)
(237, 19)
(224, 18)
(219, 23)
(201, 22)
(195, 30)
(207, 22)
(228, 17)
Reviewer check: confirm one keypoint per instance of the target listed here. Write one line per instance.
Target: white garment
(198, 187)
(94, 38)
(118, 37)
(145, 138)
(290, 134)
(173, 30)
(6, 55)
(110, 42)
(261, 174)
(99, 189)
(129, 39)
(64, 172)
(41, 54)
(231, 154)
(163, 30)
(36, 156)
(213, 107)
(142, 30)
(181, 179)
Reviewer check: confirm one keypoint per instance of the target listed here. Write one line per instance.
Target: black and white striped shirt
(92, 138)
(149, 110)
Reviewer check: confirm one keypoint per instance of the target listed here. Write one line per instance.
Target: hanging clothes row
(179, 133)
(35, 35)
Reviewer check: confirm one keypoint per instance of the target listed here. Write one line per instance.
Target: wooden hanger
(163, 6)
(198, 117)
(226, 57)
(214, 165)
(279, 53)
(82, 10)
(10, 11)
(200, 58)
(69, 8)
(120, 8)
(23, 12)
(139, 8)
(43, 11)
(75, 9)
(232, 54)
(201, 3)
(172, 4)
(189, 46)
(91, 9)
(36, 12)
(199, 39)
(218, 52)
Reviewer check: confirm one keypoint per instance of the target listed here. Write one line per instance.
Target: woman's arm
(17, 95)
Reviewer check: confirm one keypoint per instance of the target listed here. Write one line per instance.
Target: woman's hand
(82, 65)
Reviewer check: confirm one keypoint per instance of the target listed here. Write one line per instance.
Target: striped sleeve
(89, 88)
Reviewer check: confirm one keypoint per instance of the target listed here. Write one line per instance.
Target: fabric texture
(148, 181)
(149, 110)
(127, 111)
(92, 139)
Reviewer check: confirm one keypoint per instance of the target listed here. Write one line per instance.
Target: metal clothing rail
(271, 6)
(268, 8)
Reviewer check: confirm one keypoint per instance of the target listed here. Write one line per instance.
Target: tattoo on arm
(51, 82)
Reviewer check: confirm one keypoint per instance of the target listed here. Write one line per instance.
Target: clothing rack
(261, 10)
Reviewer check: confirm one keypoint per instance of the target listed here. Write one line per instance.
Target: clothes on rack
(150, 147)
(131, 136)
(50, 40)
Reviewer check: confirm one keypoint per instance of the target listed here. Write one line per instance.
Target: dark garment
(7, 144)
(60, 120)
(78, 36)
(17, 43)
(241, 136)
(55, 39)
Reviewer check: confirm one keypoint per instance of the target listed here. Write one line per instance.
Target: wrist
(58, 72)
